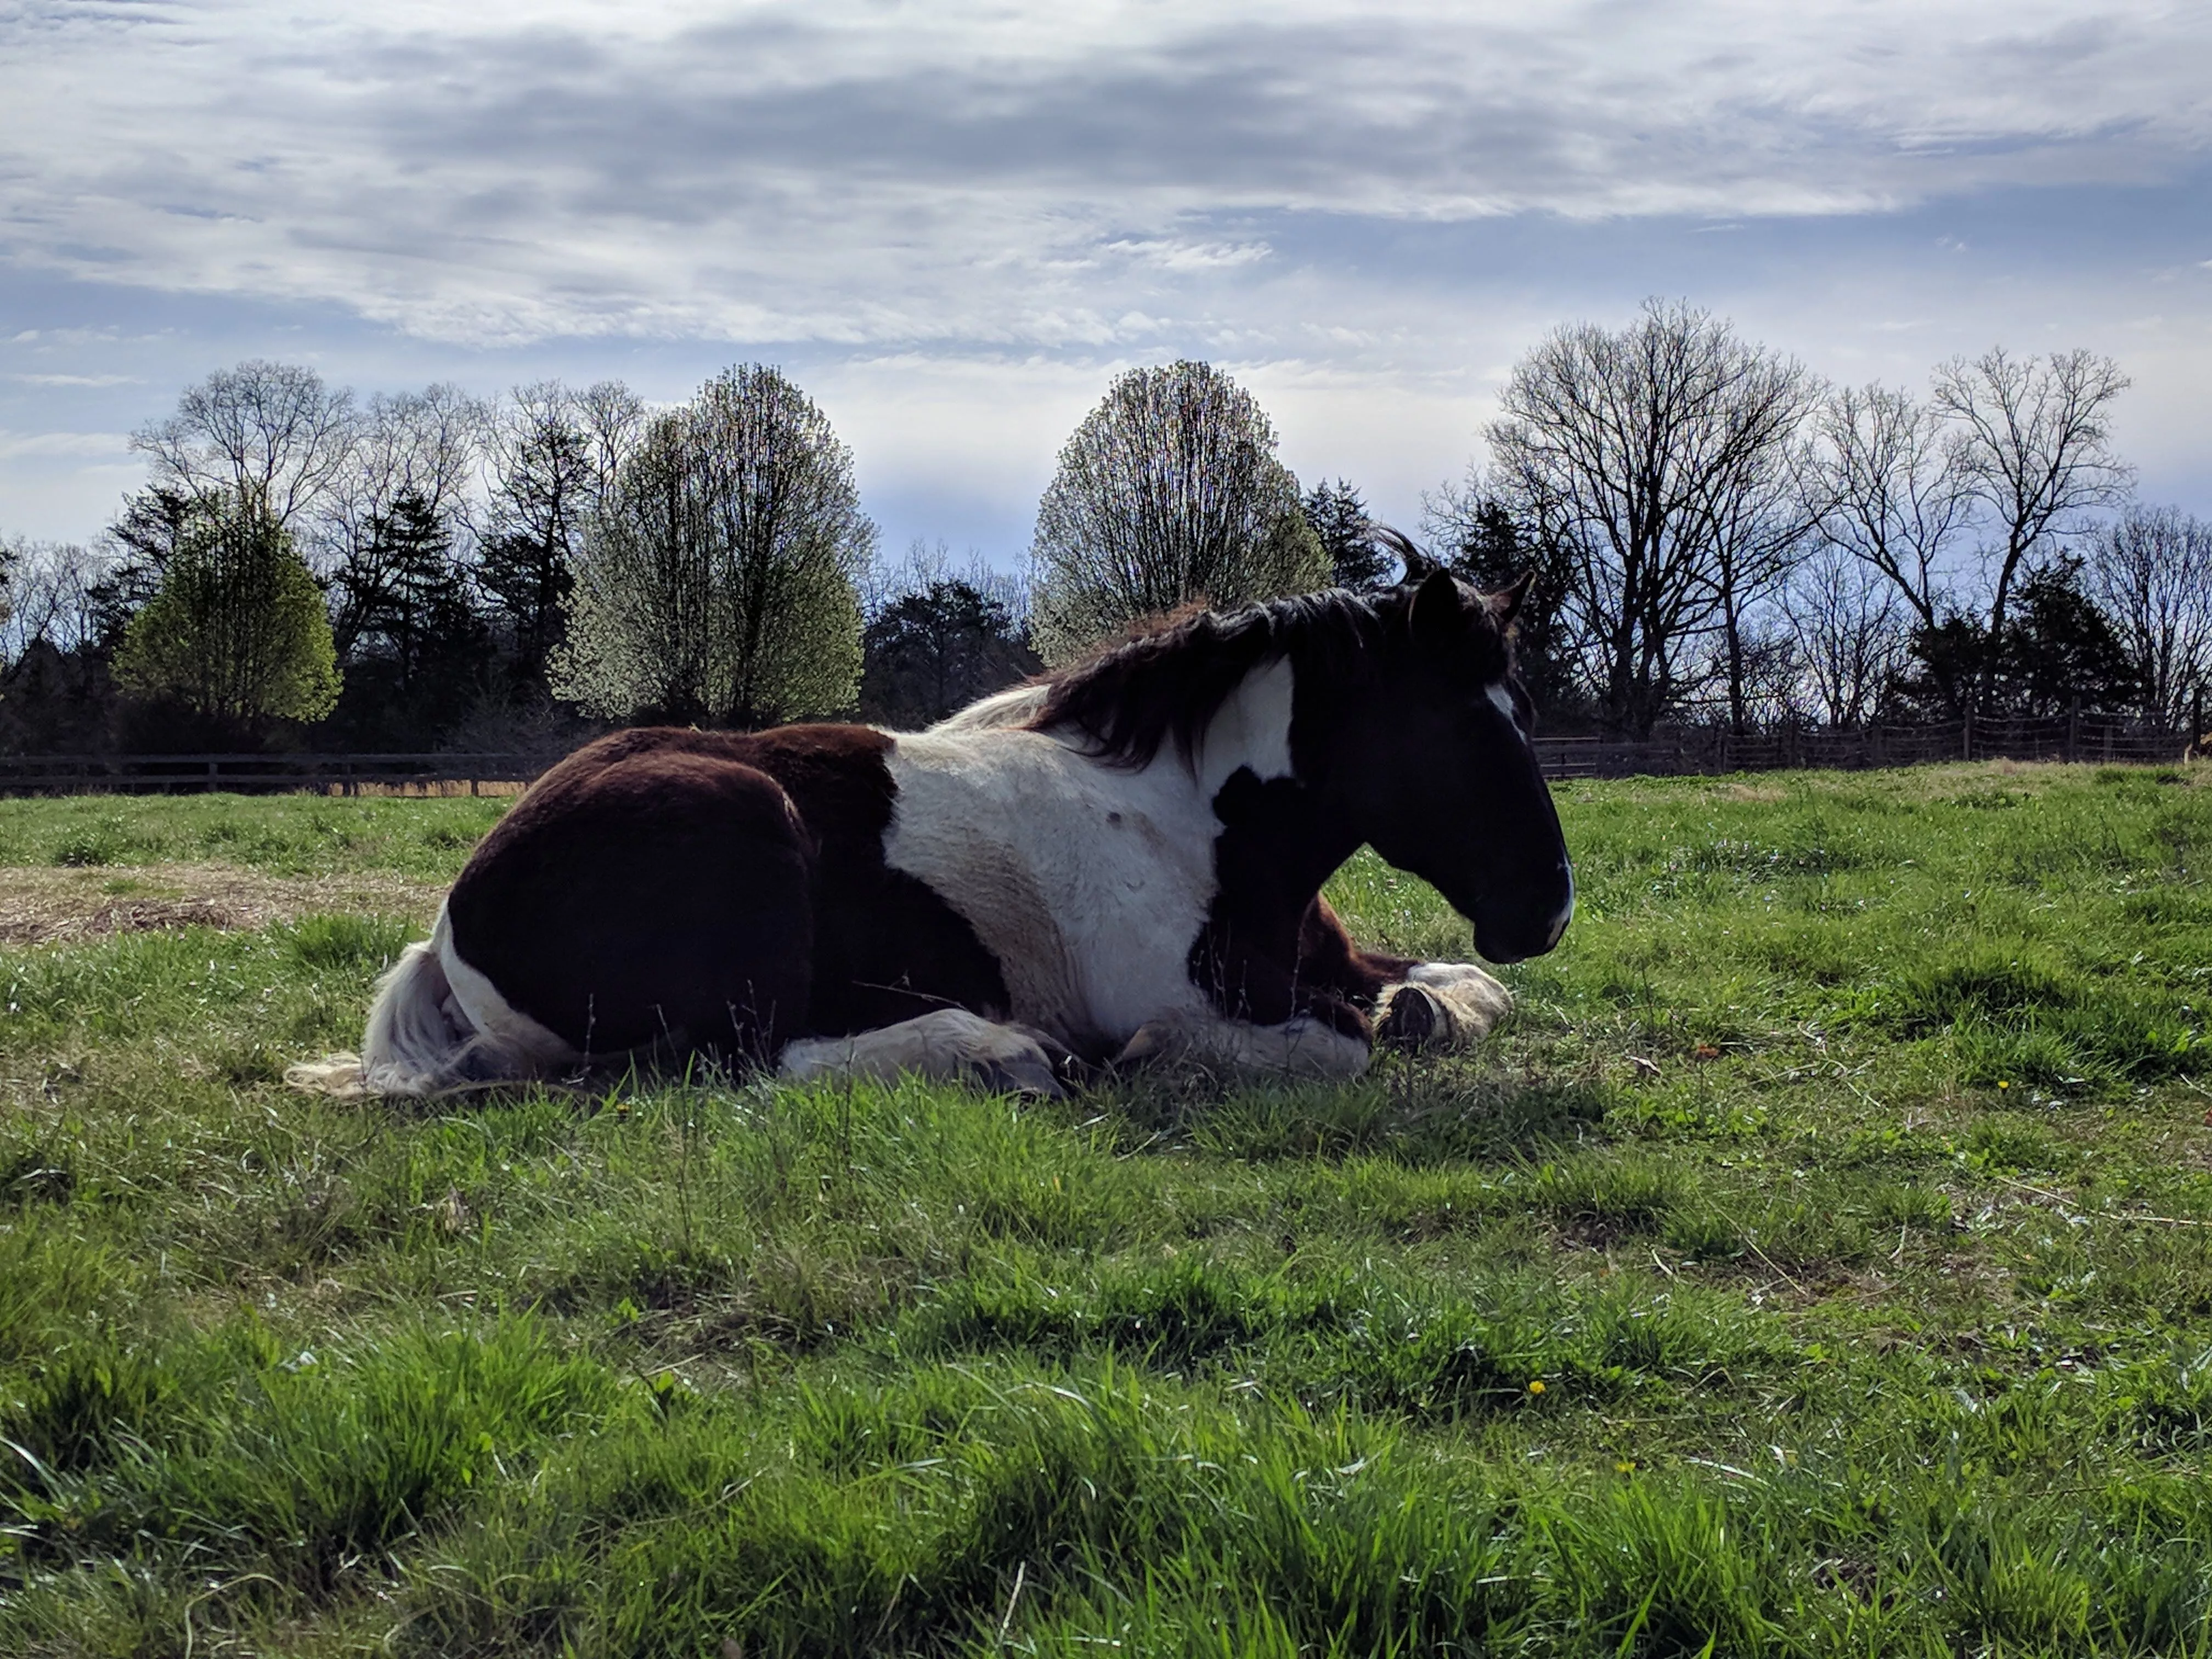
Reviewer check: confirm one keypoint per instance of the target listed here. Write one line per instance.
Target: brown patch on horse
(712, 891)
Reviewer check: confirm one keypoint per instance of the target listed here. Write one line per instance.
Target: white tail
(417, 1040)
(428, 1034)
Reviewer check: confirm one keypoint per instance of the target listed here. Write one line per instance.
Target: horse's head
(1443, 779)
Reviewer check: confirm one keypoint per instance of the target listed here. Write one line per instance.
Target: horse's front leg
(1327, 1040)
(1418, 1005)
(1440, 1005)
(950, 1045)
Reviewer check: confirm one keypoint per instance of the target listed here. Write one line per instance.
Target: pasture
(1819, 1262)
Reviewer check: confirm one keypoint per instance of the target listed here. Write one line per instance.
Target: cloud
(14, 445)
(1001, 176)
(77, 379)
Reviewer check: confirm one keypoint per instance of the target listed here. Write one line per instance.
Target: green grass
(1819, 1262)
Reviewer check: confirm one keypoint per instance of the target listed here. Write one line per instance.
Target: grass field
(1821, 1262)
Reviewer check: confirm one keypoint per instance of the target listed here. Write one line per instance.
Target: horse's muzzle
(1513, 926)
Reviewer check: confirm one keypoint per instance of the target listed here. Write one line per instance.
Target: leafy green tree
(237, 630)
(1168, 493)
(1339, 523)
(718, 579)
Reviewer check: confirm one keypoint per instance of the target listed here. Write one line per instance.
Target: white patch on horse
(496, 1020)
(943, 1046)
(1089, 882)
(1566, 913)
(1501, 701)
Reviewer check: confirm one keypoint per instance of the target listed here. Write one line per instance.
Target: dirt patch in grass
(43, 906)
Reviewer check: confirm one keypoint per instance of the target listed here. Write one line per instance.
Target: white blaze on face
(1501, 701)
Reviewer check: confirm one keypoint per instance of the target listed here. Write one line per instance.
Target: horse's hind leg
(950, 1045)
(664, 901)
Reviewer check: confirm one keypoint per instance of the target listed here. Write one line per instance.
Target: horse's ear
(1506, 605)
(1419, 565)
(1439, 615)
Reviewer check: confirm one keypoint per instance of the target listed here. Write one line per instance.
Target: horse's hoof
(1027, 1063)
(1414, 1020)
(1018, 1076)
(1152, 1044)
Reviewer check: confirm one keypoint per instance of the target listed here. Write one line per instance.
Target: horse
(1115, 863)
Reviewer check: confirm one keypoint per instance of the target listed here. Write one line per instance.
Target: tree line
(1719, 534)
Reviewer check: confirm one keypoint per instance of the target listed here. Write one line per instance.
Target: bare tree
(1168, 492)
(1849, 621)
(555, 452)
(929, 564)
(2150, 572)
(717, 580)
(48, 597)
(1888, 489)
(271, 433)
(1648, 460)
(2033, 440)
(1760, 524)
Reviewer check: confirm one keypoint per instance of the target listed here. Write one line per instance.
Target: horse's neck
(1250, 730)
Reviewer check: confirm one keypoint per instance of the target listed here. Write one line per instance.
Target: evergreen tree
(1339, 518)
(418, 650)
(1477, 536)
(2058, 646)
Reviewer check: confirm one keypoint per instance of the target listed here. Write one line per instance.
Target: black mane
(1168, 680)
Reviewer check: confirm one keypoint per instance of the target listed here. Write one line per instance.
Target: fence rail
(1690, 750)
(1709, 750)
(54, 775)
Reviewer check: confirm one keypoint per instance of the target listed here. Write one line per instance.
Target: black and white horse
(1120, 860)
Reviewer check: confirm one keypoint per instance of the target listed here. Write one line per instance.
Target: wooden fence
(1703, 750)
(1709, 750)
(348, 775)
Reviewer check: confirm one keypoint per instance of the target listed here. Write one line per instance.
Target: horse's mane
(1166, 680)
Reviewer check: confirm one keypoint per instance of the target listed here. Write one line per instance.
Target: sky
(953, 223)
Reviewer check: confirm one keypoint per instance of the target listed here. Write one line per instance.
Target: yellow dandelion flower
(1536, 1386)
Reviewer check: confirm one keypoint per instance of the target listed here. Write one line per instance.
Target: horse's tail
(418, 1038)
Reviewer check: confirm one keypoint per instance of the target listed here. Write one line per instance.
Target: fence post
(2074, 729)
(1967, 733)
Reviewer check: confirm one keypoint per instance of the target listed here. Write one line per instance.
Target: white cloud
(1004, 175)
(77, 379)
(14, 445)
